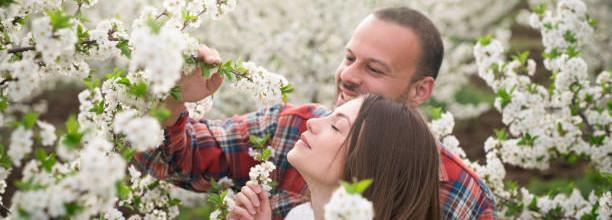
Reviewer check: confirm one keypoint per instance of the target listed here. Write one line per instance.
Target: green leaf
(123, 191)
(473, 95)
(125, 81)
(436, 113)
(6, 3)
(117, 73)
(285, 90)
(560, 130)
(139, 89)
(511, 185)
(47, 160)
(597, 140)
(29, 120)
(176, 93)
(72, 126)
(572, 51)
(206, 68)
(505, 97)
(259, 143)
(28, 185)
(154, 25)
(592, 21)
(73, 208)
(73, 136)
(521, 57)
(540, 9)
(3, 103)
(254, 140)
(486, 40)
(82, 36)
(124, 46)
(5, 160)
(161, 113)
(153, 185)
(174, 202)
(128, 153)
(23, 214)
(20, 20)
(59, 20)
(98, 107)
(569, 37)
(92, 84)
(214, 199)
(527, 140)
(501, 134)
(356, 187)
(265, 154)
(188, 17)
(554, 53)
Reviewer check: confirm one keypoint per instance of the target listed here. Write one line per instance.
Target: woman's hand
(251, 203)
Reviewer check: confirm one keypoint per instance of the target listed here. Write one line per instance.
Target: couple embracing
(394, 55)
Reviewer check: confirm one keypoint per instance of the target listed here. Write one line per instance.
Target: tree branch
(20, 49)
(6, 81)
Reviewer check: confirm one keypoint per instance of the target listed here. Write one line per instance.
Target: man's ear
(421, 90)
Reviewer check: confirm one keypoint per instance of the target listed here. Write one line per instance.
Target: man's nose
(351, 78)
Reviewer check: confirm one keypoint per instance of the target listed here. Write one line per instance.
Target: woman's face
(319, 154)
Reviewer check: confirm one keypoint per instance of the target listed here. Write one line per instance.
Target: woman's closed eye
(335, 128)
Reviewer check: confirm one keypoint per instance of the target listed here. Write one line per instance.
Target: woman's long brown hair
(391, 144)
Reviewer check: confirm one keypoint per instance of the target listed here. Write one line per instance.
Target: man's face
(380, 58)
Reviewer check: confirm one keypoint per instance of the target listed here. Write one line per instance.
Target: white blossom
(47, 133)
(21, 144)
(343, 205)
(260, 173)
(161, 69)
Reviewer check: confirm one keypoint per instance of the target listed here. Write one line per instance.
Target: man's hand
(194, 87)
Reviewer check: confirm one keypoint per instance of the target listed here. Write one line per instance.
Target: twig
(7, 80)
(239, 75)
(186, 23)
(162, 14)
(87, 42)
(20, 49)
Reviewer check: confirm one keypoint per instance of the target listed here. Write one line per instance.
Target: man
(395, 52)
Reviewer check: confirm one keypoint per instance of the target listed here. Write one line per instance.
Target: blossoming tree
(128, 59)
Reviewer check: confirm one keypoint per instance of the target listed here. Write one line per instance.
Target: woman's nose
(311, 124)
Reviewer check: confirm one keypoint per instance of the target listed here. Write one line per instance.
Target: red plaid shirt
(196, 151)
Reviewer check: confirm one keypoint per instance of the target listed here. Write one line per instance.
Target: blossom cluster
(347, 203)
(543, 123)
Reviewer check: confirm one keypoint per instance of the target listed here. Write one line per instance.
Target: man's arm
(195, 151)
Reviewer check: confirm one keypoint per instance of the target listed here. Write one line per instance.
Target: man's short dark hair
(432, 49)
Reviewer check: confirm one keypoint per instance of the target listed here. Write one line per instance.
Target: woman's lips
(304, 141)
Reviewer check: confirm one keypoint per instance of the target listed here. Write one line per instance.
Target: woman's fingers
(254, 186)
(251, 195)
(241, 198)
(240, 213)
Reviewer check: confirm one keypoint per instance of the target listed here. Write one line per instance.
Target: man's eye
(351, 59)
(374, 70)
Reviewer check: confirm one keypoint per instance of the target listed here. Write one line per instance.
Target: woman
(367, 138)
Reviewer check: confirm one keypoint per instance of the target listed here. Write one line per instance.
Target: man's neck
(319, 196)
